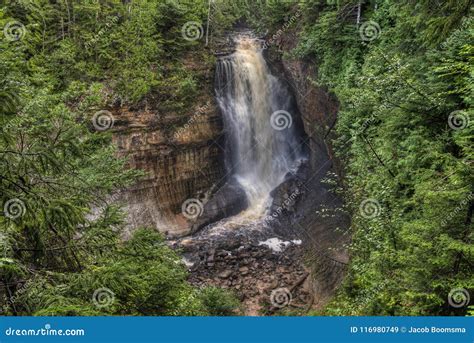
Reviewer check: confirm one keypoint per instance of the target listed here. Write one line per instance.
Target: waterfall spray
(261, 143)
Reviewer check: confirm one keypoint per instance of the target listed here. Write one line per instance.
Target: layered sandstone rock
(181, 156)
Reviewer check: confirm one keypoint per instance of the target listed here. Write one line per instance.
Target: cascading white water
(259, 151)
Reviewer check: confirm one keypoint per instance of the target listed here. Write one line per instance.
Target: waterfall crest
(261, 142)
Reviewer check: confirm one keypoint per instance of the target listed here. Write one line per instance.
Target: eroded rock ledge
(181, 155)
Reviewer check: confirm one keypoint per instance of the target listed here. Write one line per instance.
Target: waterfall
(261, 141)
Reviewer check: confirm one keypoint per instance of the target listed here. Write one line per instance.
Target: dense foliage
(61, 248)
(403, 75)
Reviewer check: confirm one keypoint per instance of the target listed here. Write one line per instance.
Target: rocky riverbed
(264, 270)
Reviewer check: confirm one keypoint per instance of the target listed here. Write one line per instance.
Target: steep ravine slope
(305, 209)
(183, 158)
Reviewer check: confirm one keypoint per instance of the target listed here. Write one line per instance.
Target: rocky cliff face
(183, 159)
(317, 106)
(180, 154)
(319, 214)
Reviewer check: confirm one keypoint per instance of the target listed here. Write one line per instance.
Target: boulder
(229, 200)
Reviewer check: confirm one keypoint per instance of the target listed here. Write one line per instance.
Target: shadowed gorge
(264, 159)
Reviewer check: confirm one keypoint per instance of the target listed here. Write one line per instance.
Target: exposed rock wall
(183, 159)
(320, 217)
(180, 154)
(317, 106)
